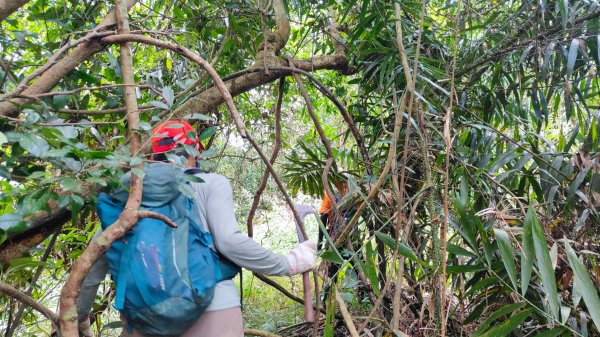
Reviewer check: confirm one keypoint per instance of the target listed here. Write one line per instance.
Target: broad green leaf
(508, 257)
(544, 265)
(3, 139)
(332, 256)
(70, 184)
(457, 250)
(198, 116)
(528, 251)
(11, 221)
(168, 95)
(509, 325)
(34, 144)
(138, 172)
(505, 310)
(159, 105)
(584, 285)
(207, 133)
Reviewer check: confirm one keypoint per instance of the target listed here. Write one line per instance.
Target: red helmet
(170, 133)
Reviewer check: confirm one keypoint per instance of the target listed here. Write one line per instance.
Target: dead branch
(410, 80)
(274, 153)
(346, 314)
(28, 300)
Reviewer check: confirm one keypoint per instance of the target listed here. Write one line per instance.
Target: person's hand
(303, 257)
(304, 210)
(85, 328)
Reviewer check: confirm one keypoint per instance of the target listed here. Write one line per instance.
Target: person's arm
(238, 247)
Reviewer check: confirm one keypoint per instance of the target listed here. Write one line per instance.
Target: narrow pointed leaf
(509, 325)
(551, 333)
(572, 57)
(544, 265)
(584, 285)
(527, 254)
(508, 257)
(505, 310)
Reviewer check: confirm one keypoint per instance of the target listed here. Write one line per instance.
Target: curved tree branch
(59, 70)
(28, 300)
(7, 7)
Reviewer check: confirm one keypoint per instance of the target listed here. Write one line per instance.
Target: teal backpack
(165, 277)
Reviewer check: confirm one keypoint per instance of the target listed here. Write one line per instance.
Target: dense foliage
(467, 132)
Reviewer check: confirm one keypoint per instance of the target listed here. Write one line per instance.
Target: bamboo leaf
(507, 255)
(528, 251)
(572, 57)
(547, 56)
(403, 249)
(505, 310)
(584, 285)
(509, 325)
(544, 265)
(564, 12)
(551, 333)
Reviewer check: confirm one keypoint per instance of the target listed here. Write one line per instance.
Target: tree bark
(7, 7)
(52, 76)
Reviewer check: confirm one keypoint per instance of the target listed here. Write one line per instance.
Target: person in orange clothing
(326, 210)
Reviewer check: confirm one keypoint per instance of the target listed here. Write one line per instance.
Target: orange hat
(170, 133)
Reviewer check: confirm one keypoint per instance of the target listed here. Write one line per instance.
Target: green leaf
(507, 255)
(159, 105)
(186, 189)
(332, 256)
(505, 310)
(70, 184)
(544, 264)
(509, 325)
(457, 250)
(34, 144)
(584, 285)
(551, 333)
(198, 116)
(138, 172)
(528, 250)
(207, 133)
(77, 203)
(11, 222)
(403, 249)
(564, 12)
(3, 139)
(572, 56)
(168, 95)
(193, 178)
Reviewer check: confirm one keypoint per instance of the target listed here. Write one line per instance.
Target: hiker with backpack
(178, 282)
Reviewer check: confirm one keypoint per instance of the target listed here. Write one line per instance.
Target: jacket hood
(160, 185)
